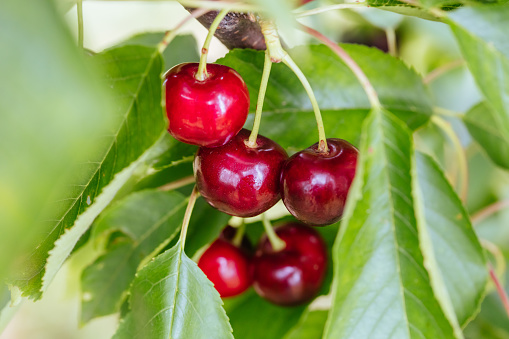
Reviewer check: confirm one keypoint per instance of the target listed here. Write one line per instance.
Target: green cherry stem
(79, 7)
(267, 65)
(354, 67)
(171, 34)
(278, 54)
(201, 74)
(177, 183)
(390, 33)
(239, 234)
(275, 241)
(187, 216)
(460, 153)
(489, 211)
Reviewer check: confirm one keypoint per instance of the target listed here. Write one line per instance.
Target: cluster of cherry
(244, 175)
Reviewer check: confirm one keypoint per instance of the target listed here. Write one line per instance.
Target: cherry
(238, 179)
(227, 267)
(209, 112)
(314, 185)
(295, 274)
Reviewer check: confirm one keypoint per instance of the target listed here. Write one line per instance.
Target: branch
(237, 30)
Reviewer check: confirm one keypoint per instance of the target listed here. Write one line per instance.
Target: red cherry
(238, 179)
(314, 185)
(294, 275)
(209, 112)
(227, 267)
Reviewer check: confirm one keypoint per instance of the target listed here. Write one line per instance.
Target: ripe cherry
(209, 112)
(314, 185)
(227, 267)
(295, 274)
(238, 179)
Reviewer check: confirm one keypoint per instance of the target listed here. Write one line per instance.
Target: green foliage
(482, 35)
(481, 122)
(382, 276)
(341, 98)
(134, 75)
(172, 298)
(148, 220)
(454, 240)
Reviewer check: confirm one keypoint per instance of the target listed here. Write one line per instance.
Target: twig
(489, 210)
(500, 289)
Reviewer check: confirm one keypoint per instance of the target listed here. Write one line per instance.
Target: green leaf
(183, 48)
(134, 75)
(53, 112)
(482, 36)
(253, 317)
(382, 286)
(172, 298)
(310, 325)
(459, 254)
(341, 98)
(149, 220)
(482, 124)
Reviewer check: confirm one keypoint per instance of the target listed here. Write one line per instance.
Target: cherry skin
(227, 267)
(209, 112)
(238, 179)
(295, 274)
(314, 185)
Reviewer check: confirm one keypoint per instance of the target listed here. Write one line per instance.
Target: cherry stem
(354, 67)
(275, 241)
(446, 112)
(172, 33)
(390, 33)
(460, 153)
(500, 289)
(177, 184)
(490, 210)
(278, 54)
(319, 10)
(438, 72)
(497, 254)
(201, 74)
(267, 65)
(79, 7)
(239, 234)
(187, 216)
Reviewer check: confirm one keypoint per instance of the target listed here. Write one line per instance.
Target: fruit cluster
(245, 175)
(288, 277)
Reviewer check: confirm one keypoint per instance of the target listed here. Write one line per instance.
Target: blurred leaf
(182, 49)
(341, 98)
(459, 254)
(310, 325)
(381, 284)
(253, 317)
(482, 36)
(134, 74)
(491, 323)
(482, 124)
(172, 298)
(65, 5)
(381, 19)
(53, 110)
(149, 220)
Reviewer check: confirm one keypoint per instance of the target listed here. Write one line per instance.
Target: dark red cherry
(294, 275)
(227, 267)
(209, 112)
(238, 179)
(314, 185)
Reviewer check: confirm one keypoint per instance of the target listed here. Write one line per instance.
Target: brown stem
(236, 30)
(490, 210)
(500, 289)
